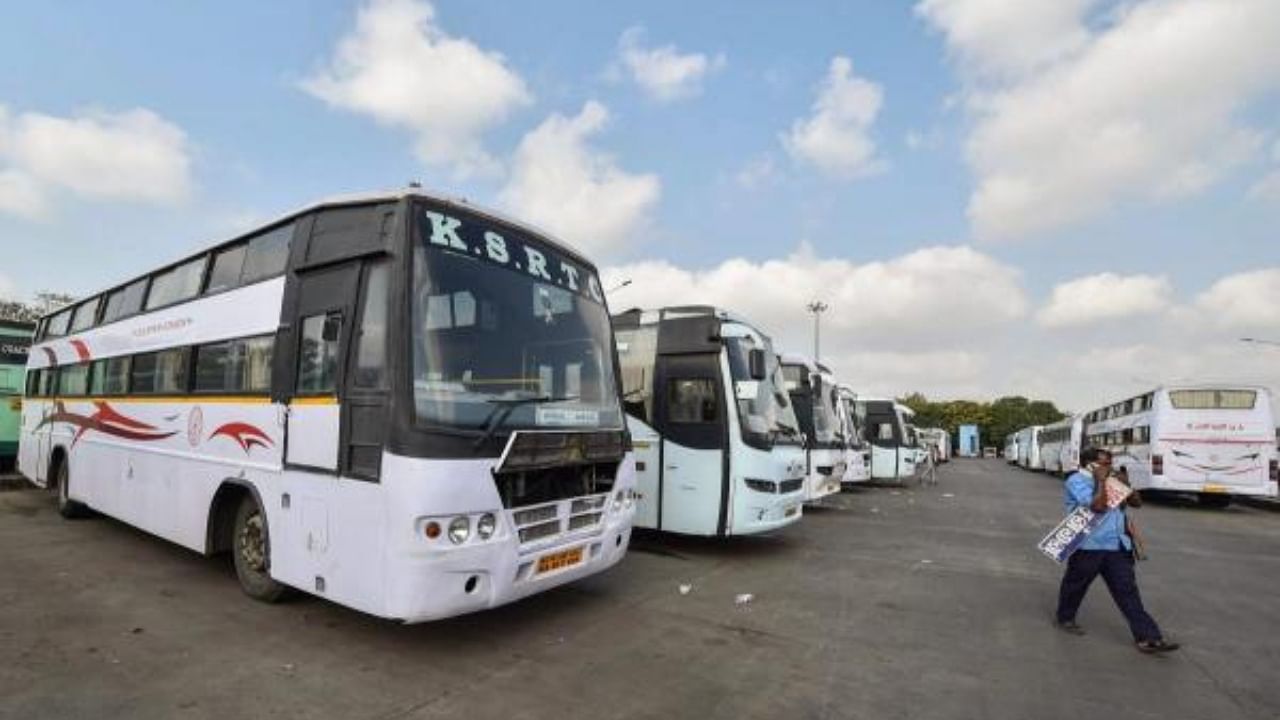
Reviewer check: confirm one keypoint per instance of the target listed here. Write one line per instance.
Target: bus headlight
(630, 499)
(459, 530)
(617, 501)
(486, 525)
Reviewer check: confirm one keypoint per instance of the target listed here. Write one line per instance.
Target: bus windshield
(507, 330)
(766, 413)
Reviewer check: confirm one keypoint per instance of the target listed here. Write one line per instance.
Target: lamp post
(618, 287)
(817, 307)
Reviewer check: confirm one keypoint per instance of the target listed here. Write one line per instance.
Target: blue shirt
(1110, 535)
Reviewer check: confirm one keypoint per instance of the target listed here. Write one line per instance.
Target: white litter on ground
(743, 599)
(685, 589)
(948, 495)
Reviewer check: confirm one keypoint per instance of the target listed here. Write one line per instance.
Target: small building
(969, 442)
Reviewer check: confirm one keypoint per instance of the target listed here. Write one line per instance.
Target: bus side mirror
(756, 366)
(817, 385)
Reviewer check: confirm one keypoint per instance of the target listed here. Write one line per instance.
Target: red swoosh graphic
(81, 349)
(244, 434)
(106, 421)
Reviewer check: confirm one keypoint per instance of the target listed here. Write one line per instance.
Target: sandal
(1069, 627)
(1151, 647)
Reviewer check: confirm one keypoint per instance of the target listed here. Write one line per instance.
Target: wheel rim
(253, 542)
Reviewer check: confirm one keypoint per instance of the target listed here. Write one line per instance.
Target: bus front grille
(544, 524)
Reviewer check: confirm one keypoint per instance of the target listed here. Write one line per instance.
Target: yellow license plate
(1214, 488)
(559, 560)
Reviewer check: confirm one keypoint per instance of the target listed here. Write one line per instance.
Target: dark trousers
(1116, 568)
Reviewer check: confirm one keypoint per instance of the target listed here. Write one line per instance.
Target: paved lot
(888, 604)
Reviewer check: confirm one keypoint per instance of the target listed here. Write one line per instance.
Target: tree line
(994, 419)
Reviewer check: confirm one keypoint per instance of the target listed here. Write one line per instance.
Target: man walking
(1107, 551)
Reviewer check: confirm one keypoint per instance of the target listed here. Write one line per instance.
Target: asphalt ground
(886, 603)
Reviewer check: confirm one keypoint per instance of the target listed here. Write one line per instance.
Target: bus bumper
(777, 512)
(470, 578)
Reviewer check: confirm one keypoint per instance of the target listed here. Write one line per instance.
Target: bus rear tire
(251, 550)
(68, 508)
(1213, 500)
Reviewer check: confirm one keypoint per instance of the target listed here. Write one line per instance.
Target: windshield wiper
(793, 432)
(505, 406)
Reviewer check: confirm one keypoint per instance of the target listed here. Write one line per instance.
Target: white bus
(1029, 448)
(857, 456)
(1060, 445)
(1214, 440)
(936, 439)
(718, 448)
(1011, 448)
(892, 455)
(815, 397)
(397, 402)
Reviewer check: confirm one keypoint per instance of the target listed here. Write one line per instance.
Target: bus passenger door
(689, 403)
(311, 354)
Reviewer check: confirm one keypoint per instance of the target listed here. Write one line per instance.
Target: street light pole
(817, 307)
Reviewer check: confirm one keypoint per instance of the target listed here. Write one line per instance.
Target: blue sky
(1168, 181)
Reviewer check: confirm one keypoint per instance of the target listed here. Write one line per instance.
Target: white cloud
(8, 289)
(558, 181)
(1267, 188)
(21, 195)
(399, 67)
(836, 138)
(1105, 296)
(951, 322)
(1245, 300)
(1145, 107)
(134, 155)
(663, 72)
(918, 295)
(1002, 39)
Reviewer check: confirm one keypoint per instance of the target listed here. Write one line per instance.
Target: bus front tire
(68, 508)
(251, 550)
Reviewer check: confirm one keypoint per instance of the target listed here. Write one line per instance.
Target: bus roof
(349, 199)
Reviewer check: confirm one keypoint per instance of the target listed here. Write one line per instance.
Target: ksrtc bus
(815, 396)
(15, 340)
(399, 402)
(857, 449)
(1029, 448)
(1011, 448)
(718, 448)
(893, 457)
(1060, 445)
(1216, 440)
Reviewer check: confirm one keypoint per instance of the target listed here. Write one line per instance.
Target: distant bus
(815, 395)
(15, 340)
(1212, 440)
(1060, 445)
(893, 454)
(1029, 448)
(1011, 448)
(398, 401)
(718, 447)
(857, 449)
(936, 439)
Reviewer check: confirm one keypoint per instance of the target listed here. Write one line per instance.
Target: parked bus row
(1213, 440)
(418, 408)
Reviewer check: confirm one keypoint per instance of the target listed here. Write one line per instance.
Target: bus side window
(318, 354)
(371, 353)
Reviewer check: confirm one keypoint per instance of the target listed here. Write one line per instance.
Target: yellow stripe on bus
(194, 399)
